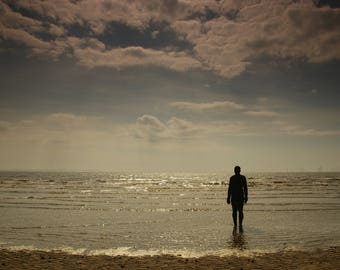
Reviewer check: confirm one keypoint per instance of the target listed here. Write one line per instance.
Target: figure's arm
(229, 192)
(245, 190)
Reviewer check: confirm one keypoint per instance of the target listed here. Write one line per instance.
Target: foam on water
(131, 252)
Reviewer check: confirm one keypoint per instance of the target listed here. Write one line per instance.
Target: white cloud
(152, 129)
(23, 37)
(150, 123)
(182, 128)
(232, 38)
(315, 132)
(66, 120)
(261, 113)
(77, 130)
(10, 19)
(299, 130)
(62, 10)
(97, 13)
(225, 128)
(279, 29)
(65, 140)
(56, 30)
(135, 56)
(206, 106)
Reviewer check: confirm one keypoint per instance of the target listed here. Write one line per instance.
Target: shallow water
(166, 212)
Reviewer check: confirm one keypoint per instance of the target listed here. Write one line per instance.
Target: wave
(132, 252)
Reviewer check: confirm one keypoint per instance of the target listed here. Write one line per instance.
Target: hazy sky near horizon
(170, 85)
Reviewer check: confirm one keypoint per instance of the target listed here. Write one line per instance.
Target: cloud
(82, 131)
(299, 130)
(15, 20)
(56, 30)
(315, 132)
(227, 128)
(62, 10)
(181, 128)
(66, 120)
(197, 107)
(14, 26)
(135, 56)
(276, 29)
(224, 36)
(4, 126)
(261, 113)
(307, 32)
(152, 129)
(97, 13)
(151, 124)
(23, 37)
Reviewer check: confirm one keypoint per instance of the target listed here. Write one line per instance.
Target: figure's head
(237, 169)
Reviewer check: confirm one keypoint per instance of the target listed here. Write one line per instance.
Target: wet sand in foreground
(319, 259)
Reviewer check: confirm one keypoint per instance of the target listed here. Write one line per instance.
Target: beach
(167, 221)
(24, 259)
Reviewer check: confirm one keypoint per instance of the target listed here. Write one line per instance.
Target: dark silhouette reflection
(238, 239)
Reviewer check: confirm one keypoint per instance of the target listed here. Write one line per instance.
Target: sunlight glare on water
(166, 212)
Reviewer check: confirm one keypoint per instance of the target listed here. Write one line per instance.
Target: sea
(186, 214)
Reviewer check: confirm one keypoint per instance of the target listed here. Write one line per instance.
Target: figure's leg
(234, 214)
(240, 214)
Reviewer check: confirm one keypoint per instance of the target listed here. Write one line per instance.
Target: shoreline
(33, 259)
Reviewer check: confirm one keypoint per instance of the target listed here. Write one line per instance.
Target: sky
(170, 85)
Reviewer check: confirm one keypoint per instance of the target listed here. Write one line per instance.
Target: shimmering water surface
(166, 212)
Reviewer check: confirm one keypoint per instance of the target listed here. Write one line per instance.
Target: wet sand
(319, 259)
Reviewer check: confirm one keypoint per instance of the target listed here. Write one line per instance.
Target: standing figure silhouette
(237, 195)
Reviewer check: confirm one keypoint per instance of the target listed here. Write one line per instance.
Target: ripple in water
(172, 212)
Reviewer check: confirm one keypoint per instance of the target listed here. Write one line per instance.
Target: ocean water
(175, 213)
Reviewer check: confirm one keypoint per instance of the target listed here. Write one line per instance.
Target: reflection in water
(238, 239)
(163, 211)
